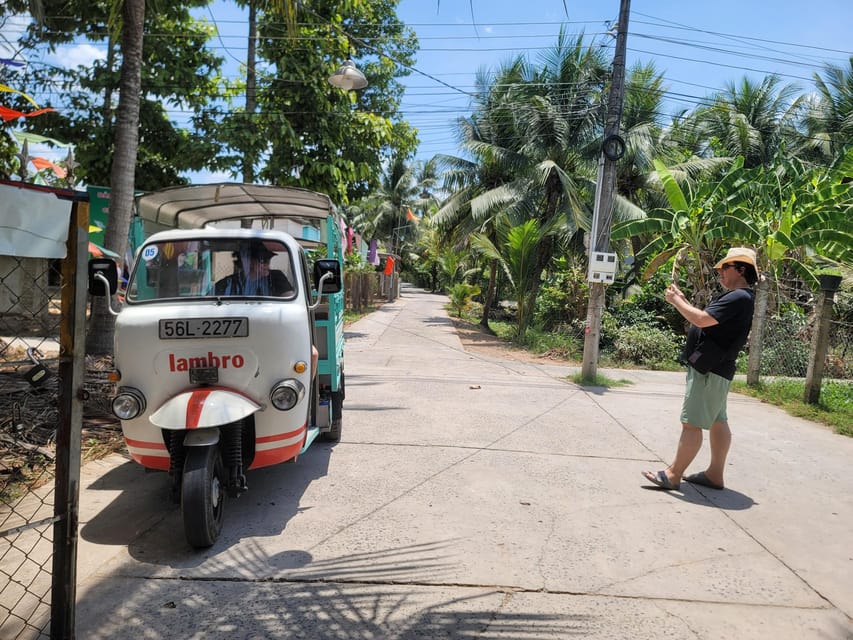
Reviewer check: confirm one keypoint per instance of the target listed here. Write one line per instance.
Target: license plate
(204, 328)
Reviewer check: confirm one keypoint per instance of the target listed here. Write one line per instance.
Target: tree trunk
(99, 340)
(248, 152)
(490, 293)
(107, 110)
(756, 334)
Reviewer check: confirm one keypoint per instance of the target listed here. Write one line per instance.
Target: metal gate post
(72, 356)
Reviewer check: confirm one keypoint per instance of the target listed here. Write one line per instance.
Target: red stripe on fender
(281, 436)
(141, 444)
(160, 463)
(275, 456)
(194, 406)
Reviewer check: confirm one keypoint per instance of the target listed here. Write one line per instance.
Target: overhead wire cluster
(437, 100)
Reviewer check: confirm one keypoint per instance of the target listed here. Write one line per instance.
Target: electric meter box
(602, 267)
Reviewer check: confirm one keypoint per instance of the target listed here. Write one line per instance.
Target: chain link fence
(789, 329)
(29, 349)
(42, 356)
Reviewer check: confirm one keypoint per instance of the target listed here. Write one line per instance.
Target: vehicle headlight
(128, 404)
(286, 394)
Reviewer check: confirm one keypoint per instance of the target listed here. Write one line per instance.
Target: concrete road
(488, 499)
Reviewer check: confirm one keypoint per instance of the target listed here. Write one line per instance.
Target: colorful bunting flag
(4, 87)
(8, 114)
(411, 216)
(44, 163)
(35, 138)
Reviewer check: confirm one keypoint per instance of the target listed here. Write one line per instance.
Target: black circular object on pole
(613, 147)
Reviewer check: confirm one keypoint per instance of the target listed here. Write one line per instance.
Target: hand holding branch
(672, 293)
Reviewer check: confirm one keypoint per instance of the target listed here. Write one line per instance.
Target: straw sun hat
(738, 254)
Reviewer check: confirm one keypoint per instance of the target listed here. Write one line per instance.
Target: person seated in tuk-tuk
(252, 275)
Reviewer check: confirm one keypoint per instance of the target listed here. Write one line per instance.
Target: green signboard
(99, 210)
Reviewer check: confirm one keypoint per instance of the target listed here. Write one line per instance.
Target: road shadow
(725, 499)
(144, 518)
(393, 593)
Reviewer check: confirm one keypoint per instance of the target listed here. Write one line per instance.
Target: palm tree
(536, 132)
(753, 120)
(829, 118)
(488, 183)
(383, 214)
(562, 127)
(516, 252)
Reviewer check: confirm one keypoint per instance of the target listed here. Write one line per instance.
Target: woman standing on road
(716, 336)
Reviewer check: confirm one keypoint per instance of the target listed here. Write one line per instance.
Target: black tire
(202, 496)
(337, 400)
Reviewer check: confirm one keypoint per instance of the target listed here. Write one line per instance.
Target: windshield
(201, 268)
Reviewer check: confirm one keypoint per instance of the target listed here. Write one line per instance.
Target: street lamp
(348, 77)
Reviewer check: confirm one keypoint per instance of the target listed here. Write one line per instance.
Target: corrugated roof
(195, 206)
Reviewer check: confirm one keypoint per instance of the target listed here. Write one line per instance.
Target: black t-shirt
(733, 313)
(276, 284)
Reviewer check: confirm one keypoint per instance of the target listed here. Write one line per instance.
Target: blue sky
(698, 45)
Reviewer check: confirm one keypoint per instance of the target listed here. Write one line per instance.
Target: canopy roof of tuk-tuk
(194, 206)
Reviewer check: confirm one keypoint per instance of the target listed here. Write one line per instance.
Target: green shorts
(704, 399)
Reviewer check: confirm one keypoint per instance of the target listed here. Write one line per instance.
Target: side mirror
(100, 268)
(332, 281)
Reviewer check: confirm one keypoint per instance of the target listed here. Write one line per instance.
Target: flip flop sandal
(661, 480)
(702, 480)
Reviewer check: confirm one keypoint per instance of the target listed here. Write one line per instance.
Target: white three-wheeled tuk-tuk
(229, 345)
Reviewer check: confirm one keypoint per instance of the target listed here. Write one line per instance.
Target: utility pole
(602, 263)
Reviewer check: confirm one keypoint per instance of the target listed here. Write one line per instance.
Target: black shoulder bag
(706, 355)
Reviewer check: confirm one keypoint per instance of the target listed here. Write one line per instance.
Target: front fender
(203, 407)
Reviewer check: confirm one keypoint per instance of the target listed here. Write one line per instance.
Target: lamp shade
(348, 77)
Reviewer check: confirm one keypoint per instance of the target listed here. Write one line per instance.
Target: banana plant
(799, 217)
(689, 229)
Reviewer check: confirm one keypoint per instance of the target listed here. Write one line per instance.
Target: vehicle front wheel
(202, 496)
(337, 400)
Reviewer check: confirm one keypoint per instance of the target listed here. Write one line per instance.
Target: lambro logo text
(235, 361)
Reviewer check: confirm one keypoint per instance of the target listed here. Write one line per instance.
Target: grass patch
(598, 381)
(552, 344)
(834, 409)
(351, 316)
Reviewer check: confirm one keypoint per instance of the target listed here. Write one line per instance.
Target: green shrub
(563, 297)
(460, 296)
(564, 343)
(646, 346)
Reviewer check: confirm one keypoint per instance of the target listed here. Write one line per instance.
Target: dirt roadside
(476, 339)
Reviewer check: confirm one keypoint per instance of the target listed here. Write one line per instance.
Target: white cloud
(79, 54)
(11, 28)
